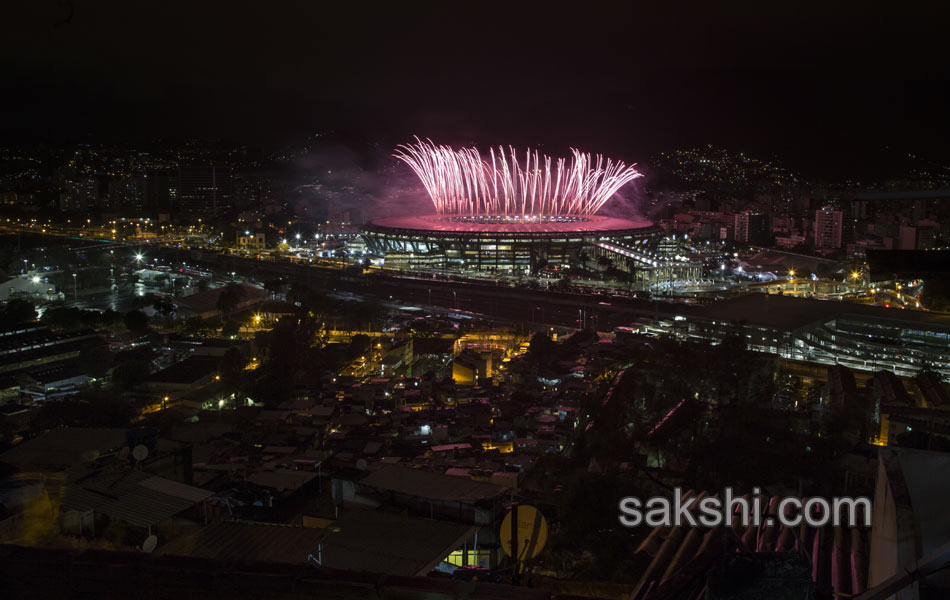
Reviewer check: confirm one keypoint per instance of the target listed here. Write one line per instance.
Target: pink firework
(462, 182)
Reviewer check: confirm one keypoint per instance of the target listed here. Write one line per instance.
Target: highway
(508, 304)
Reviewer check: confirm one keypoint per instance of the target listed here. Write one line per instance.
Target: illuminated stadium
(511, 211)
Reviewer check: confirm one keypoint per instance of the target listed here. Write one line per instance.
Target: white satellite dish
(124, 453)
(149, 544)
(361, 464)
(140, 452)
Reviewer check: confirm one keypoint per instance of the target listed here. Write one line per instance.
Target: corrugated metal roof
(61, 448)
(393, 544)
(370, 541)
(283, 479)
(426, 484)
(236, 541)
(173, 488)
(123, 496)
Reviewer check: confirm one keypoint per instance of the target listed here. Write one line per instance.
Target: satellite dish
(361, 464)
(124, 453)
(140, 452)
(526, 529)
(148, 546)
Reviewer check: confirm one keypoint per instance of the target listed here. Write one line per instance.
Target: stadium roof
(449, 224)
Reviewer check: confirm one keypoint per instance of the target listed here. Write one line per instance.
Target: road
(564, 309)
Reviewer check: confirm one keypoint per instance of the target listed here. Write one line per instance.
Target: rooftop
(788, 313)
(449, 224)
(426, 484)
(135, 497)
(369, 541)
(188, 371)
(60, 449)
(205, 302)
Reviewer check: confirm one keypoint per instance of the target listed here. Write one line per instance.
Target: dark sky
(833, 85)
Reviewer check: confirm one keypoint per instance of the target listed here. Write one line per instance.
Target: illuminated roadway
(498, 302)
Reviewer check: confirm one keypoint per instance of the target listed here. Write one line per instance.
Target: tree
(136, 321)
(232, 371)
(110, 319)
(18, 311)
(229, 298)
(129, 374)
(359, 344)
(96, 360)
(194, 326)
(230, 328)
(307, 298)
(936, 294)
(542, 349)
(164, 306)
(275, 286)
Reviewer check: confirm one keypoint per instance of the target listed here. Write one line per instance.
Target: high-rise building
(125, 195)
(828, 227)
(204, 192)
(160, 190)
(752, 228)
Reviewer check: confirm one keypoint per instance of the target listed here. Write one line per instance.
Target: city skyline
(842, 94)
(446, 299)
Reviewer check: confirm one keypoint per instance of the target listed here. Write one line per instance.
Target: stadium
(511, 212)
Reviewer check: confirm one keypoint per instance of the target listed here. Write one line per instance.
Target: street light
(138, 257)
(75, 288)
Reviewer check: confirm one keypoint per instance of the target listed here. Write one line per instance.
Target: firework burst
(511, 184)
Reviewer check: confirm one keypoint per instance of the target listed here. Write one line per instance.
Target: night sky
(824, 90)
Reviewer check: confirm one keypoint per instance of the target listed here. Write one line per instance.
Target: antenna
(148, 546)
